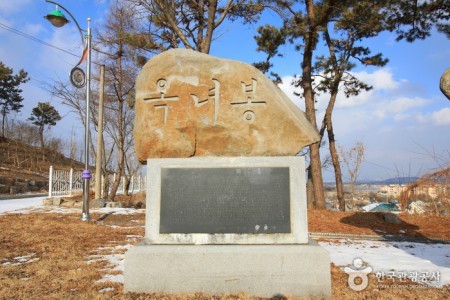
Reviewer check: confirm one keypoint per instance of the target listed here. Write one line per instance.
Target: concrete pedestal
(258, 270)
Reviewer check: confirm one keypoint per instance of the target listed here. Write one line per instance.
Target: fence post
(50, 182)
(70, 181)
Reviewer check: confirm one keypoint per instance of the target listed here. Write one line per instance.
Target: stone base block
(47, 201)
(258, 270)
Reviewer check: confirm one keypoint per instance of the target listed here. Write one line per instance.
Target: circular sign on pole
(77, 77)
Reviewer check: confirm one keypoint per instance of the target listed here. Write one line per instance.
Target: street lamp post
(57, 19)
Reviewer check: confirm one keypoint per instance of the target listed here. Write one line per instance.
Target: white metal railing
(66, 183)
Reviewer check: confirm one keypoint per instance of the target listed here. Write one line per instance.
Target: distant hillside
(21, 161)
(397, 180)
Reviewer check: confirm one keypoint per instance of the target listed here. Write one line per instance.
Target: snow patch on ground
(393, 256)
(116, 263)
(108, 289)
(381, 256)
(114, 272)
(118, 211)
(20, 260)
(20, 205)
(34, 205)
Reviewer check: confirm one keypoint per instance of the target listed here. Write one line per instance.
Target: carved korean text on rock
(192, 104)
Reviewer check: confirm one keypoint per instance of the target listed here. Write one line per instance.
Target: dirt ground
(50, 256)
(326, 221)
(418, 226)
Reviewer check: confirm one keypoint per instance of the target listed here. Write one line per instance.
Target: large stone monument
(226, 200)
(192, 104)
(445, 83)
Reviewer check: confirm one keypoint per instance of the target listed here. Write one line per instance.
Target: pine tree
(10, 98)
(44, 114)
(191, 24)
(351, 22)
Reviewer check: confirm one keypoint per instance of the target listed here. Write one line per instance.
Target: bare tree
(120, 60)
(439, 179)
(352, 159)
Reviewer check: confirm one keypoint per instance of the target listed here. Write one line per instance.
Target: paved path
(16, 204)
(22, 196)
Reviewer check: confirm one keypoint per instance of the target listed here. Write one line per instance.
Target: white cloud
(56, 61)
(392, 120)
(9, 7)
(361, 99)
(398, 106)
(402, 117)
(381, 79)
(404, 103)
(435, 118)
(5, 22)
(441, 117)
(287, 87)
(34, 29)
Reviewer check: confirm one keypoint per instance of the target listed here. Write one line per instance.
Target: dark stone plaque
(225, 200)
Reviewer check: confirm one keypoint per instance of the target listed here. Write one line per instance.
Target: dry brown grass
(20, 159)
(132, 200)
(383, 290)
(372, 223)
(63, 243)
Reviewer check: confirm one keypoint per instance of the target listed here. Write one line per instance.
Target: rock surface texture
(192, 104)
(445, 83)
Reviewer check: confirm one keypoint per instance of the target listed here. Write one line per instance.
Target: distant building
(417, 207)
(431, 190)
(393, 190)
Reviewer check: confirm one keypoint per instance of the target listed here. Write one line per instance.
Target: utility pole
(98, 160)
(79, 79)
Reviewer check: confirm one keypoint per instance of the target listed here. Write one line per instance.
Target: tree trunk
(210, 26)
(316, 176)
(3, 122)
(41, 135)
(314, 154)
(126, 185)
(336, 165)
(309, 192)
(328, 124)
(120, 125)
(105, 182)
(121, 161)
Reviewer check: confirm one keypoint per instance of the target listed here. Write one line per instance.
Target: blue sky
(402, 121)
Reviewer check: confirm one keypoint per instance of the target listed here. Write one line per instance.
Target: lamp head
(57, 18)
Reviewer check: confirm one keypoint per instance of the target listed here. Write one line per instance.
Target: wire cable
(23, 34)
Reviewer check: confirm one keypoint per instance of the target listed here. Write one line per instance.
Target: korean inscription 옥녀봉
(192, 104)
